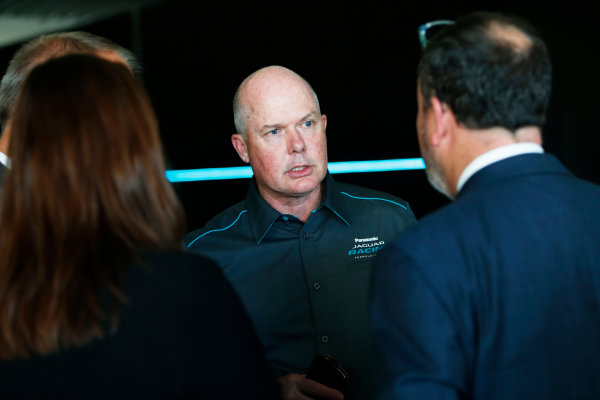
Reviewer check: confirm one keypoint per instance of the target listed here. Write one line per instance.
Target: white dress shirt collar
(495, 155)
(4, 160)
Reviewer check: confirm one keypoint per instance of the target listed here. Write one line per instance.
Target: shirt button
(324, 339)
(316, 285)
(305, 235)
(285, 218)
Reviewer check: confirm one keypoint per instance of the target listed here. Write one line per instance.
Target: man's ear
(239, 144)
(443, 117)
(324, 119)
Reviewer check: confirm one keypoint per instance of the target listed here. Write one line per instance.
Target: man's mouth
(296, 169)
(300, 171)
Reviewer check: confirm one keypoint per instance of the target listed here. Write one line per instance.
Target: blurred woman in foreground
(96, 298)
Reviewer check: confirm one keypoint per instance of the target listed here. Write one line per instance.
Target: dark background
(361, 61)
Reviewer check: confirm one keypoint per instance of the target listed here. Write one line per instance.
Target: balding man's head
(44, 47)
(492, 70)
(262, 84)
(281, 133)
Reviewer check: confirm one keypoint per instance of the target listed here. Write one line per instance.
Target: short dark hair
(484, 77)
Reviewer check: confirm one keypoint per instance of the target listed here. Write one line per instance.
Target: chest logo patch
(365, 247)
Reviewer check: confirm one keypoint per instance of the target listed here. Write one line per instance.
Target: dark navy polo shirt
(305, 285)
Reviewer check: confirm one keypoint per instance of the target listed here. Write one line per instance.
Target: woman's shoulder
(180, 260)
(179, 272)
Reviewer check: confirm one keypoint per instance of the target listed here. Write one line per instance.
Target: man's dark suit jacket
(497, 295)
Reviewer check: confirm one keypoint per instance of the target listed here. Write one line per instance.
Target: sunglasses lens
(428, 31)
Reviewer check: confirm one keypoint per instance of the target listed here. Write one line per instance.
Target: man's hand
(298, 387)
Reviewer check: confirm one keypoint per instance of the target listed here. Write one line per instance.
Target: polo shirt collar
(262, 216)
(334, 200)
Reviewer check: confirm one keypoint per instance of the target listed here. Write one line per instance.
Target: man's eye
(308, 124)
(273, 131)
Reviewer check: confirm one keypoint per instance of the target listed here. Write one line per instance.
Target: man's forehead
(276, 90)
(280, 100)
(276, 114)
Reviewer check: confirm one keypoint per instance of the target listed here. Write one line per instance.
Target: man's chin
(303, 186)
(438, 183)
(442, 190)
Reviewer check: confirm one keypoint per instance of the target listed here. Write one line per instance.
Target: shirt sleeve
(419, 350)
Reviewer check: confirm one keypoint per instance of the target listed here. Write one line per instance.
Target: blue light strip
(342, 167)
(376, 165)
(208, 174)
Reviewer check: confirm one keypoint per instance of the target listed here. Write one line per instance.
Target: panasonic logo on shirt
(366, 239)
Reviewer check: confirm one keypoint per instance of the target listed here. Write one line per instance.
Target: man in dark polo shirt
(299, 249)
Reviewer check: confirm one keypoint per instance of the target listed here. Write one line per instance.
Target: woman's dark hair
(86, 192)
(485, 78)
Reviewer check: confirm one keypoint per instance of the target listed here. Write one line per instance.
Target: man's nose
(296, 141)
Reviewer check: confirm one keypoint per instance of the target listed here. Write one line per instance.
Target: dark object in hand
(326, 370)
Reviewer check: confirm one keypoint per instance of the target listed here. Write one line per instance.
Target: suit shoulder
(223, 221)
